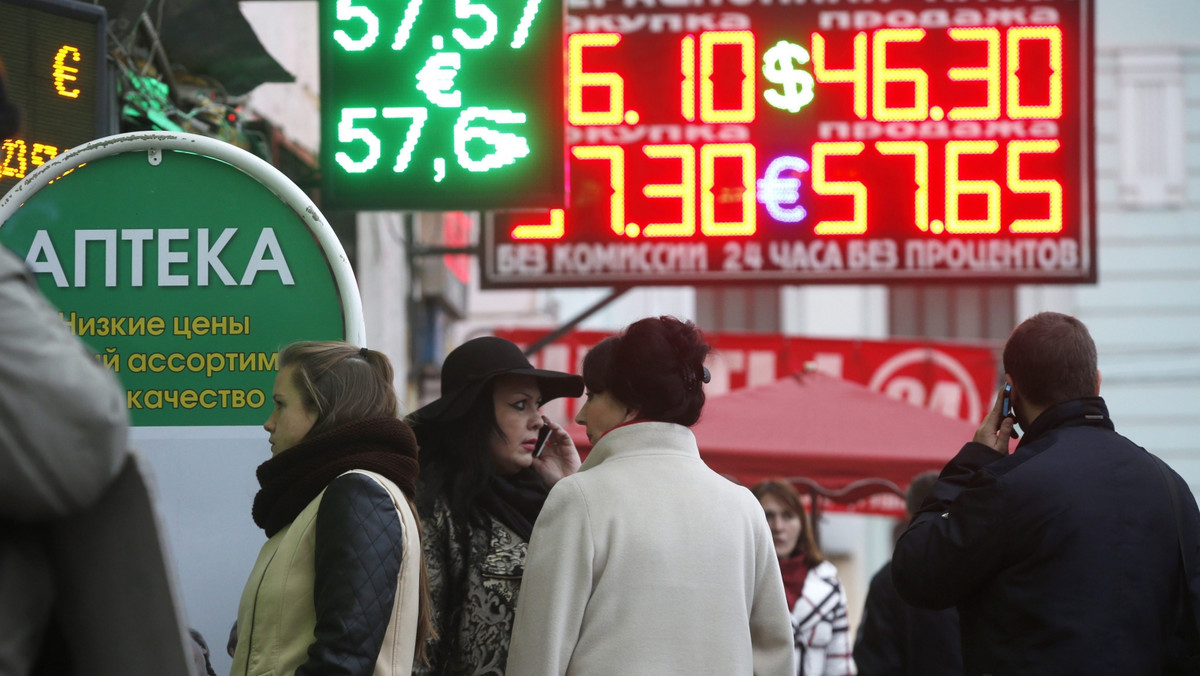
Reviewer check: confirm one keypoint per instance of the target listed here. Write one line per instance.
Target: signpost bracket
(614, 293)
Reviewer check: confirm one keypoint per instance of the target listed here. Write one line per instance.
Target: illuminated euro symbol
(795, 86)
(774, 190)
(64, 73)
(436, 79)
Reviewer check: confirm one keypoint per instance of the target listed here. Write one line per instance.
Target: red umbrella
(830, 430)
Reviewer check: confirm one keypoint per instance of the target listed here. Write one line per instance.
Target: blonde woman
(339, 585)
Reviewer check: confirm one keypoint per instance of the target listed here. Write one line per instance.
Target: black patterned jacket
(474, 578)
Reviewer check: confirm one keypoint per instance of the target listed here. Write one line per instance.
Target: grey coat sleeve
(63, 420)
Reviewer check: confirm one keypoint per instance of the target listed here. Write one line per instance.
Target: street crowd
(468, 537)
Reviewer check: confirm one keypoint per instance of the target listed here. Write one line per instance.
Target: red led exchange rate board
(795, 142)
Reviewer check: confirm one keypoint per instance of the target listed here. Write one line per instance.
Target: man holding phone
(1063, 557)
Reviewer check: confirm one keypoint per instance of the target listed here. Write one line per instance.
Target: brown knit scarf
(293, 478)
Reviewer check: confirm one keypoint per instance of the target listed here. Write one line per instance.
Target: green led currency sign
(441, 104)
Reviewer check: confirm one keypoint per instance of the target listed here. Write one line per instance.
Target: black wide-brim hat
(472, 365)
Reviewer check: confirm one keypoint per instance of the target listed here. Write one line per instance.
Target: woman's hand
(559, 457)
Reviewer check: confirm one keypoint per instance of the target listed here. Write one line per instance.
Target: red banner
(955, 379)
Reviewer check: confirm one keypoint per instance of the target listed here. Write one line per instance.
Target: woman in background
(814, 593)
(338, 587)
(646, 561)
(481, 490)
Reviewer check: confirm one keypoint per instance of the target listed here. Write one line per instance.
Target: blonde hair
(340, 382)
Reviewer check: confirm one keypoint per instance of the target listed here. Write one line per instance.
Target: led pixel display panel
(441, 104)
(800, 142)
(53, 57)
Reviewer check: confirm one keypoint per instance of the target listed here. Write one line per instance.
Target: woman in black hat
(481, 489)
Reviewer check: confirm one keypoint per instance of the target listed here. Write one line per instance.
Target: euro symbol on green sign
(436, 79)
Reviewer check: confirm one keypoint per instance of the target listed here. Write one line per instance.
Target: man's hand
(995, 431)
(559, 457)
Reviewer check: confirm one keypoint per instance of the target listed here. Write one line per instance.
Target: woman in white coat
(646, 561)
(814, 593)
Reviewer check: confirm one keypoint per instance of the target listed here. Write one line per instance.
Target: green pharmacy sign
(184, 263)
(442, 104)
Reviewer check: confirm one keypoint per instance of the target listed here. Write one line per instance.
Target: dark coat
(1062, 557)
(896, 638)
(474, 581)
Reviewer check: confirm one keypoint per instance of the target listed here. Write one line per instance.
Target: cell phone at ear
(1006, 403)
(543, 435)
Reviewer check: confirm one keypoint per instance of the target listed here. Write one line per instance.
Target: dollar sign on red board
(795, 86)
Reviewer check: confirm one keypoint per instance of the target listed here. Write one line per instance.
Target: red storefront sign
(956, 379)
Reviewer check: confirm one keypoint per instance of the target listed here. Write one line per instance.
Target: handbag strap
(1191, 632)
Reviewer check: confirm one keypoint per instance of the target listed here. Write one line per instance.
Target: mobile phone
(1006, 403)
(543, 435)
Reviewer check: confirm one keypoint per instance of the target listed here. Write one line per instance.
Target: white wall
(554, 307)
(1145, 311)
(288, 31)
(383, 281)
(835, 311)
(1146, 22)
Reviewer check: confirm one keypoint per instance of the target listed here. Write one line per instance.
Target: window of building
(956, 312)
(1150, 107)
